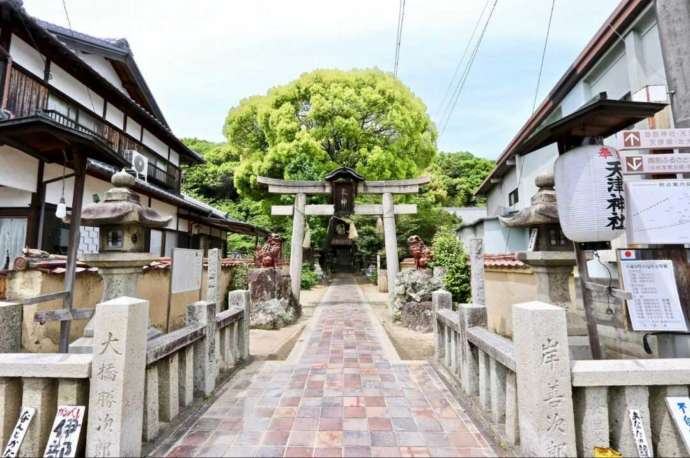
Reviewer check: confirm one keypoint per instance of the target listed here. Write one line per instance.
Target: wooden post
(587, 302)
(75, 221)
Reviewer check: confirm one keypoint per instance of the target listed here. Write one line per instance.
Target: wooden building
(77, 106)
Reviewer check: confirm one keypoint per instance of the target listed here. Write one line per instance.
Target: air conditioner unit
(140, 164)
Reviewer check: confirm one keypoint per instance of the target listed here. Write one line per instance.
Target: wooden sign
(679, 408)
(64, 435)
(653, 139)
(658, 212)
(655, 303)
(656, 164)
(186, 267)
(17, 436)
(639, 435)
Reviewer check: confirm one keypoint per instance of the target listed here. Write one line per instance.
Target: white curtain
(12, 240)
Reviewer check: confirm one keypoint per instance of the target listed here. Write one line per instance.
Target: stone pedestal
(553, 270)
(413, 295)
(272, 302)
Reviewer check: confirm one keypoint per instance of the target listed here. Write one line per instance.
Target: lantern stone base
(120, 273)
(553, 270)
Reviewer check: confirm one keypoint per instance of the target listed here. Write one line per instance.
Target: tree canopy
(364, 119)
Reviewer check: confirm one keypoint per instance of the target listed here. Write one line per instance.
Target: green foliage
(449, 254)
(363, 119)
(309, 277)
(455, 177)
(240, 277)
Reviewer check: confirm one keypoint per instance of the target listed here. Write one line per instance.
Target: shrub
(449, 254)
(309, 277)
(240, 276)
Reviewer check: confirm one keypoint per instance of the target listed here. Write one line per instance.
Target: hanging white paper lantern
(589, 193)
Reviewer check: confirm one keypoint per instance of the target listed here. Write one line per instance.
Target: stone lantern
(123, 226)
(551, 256)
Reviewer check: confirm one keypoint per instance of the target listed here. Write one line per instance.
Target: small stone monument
(550, 255)
(123, 224)
(272, 304)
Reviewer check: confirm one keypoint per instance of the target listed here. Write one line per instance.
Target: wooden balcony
(41, 130)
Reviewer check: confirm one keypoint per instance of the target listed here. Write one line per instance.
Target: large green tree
(364, 119)
(455, 177)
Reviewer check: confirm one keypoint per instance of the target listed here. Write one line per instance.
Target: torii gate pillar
(391, 244)
(298, 221)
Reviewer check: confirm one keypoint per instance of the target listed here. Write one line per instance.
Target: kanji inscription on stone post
(547, 426)
(116, 394)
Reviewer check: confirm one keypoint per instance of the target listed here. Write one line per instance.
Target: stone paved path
(343, 392)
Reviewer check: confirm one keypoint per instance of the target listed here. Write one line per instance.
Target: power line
(543, 55)
(449, 89)
(468, 68)
(398, 38)
(69, 24)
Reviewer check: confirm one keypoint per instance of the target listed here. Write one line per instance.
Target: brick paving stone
(344, 397)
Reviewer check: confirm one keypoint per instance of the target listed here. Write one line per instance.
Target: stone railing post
(10, 327)
(545, 403)
(470, 315)
(477, 271)
(116, 398)
(205, 362)
(440, 299)
(240, 298)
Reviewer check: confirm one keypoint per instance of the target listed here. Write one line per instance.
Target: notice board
(187, 267)
(658, 212)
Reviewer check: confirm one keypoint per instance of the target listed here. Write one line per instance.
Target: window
(12, 240)
(513, 197)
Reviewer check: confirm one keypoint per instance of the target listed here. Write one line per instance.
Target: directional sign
(679, 407)
(656, 164)
(654, 139)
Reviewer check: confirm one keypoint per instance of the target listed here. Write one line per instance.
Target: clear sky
(202, 57)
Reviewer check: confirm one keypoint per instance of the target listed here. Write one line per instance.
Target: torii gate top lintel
(358, 185)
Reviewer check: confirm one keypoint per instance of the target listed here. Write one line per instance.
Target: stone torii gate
(343, 185)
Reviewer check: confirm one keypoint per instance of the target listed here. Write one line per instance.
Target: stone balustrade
(480, 364)
(536, 402)
(604, 392)
(189, 363)
(42, 381)
(131, 387)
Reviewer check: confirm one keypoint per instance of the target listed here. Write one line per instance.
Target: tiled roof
(504, 261)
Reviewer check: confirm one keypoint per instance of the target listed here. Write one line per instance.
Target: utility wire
(468, 68)
(446, 96)
(543, 55)
(398, 38)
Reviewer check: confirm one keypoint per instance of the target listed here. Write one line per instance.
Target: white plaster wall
(115, 116)
(183, 225)
(498, 196)
(500, 239)
(652, 59)
(133, 128)
(12, 197)
(155, 144)
(166, 210)
(611, 76)
(531, 166)
(75, 89)
(26, 56)
(17, 169)
(91, 186)
(104, 68)
(574, 99)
